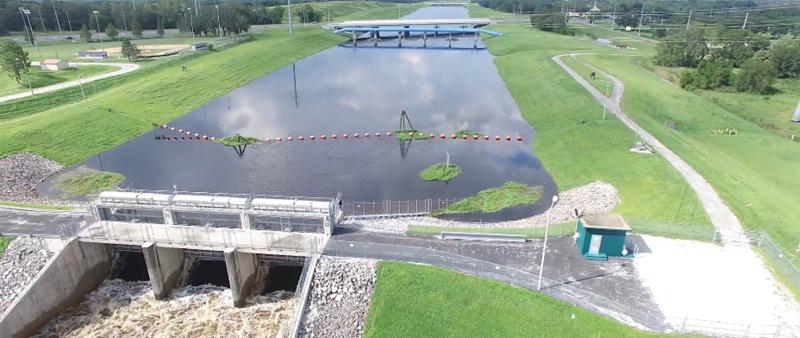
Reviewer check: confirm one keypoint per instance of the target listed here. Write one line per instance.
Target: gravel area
(21, 173)
(594, 198)
(339, 299)
(23, 259)
(127, 309)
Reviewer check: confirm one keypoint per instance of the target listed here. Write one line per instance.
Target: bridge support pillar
(399, 39)
(168, 216)
(406, 33)
(241, 274)
(244, 218)
(164, 266)
(424, 39)
(436, 32)
(450, 41)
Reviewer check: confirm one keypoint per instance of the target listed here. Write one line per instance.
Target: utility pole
(746, 16)
(134, 4)
(27, 14)
(80, 75)
(68, 20)
(27, 75)
(219, 23)
(58, 22)
(39, 10)
(191, 25)
(689, 21)
(641, 20)
(289, 6)
(97, 21)
(544, 246)
(613, 16)
(196, 13)
(796, 117)
(124, 20)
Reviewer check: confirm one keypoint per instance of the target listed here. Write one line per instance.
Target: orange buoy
(312, 137)
(442, 136)
(355, 135)
(213, 138)
(431, 136)
(279, 139)
(323, 136)
(388, 133)
(474, 137)
(485, 137)
(289, 138)
(366, 134)
(300, 138)
(463, 136)
(344, 135)
(519, 138)
(453, 136)
(333, 136)
(497, 138)
(188, 132)
(508, 138)
(377, 134)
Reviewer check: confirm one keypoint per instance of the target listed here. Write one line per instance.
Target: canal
(351, 90)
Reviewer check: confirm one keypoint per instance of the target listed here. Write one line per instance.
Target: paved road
(123, 69)
(721, 216)
(18, 221)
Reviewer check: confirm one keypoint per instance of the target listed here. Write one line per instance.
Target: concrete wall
(62, 283)
(164, 266)
(241, 274)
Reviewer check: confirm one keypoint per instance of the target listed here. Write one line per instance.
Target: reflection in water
(349, 90)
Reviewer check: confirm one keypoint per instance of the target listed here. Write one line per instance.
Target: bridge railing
(395, 208)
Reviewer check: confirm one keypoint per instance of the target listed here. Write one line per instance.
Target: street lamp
(191, 23)
(289, 6)
(544, 246)
(27, 13)
(27, 75)
(83, 94)
(219, 23)
(97, 21)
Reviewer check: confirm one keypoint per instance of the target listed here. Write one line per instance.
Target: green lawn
(421, 301)
(754, 172)
(40, 78)
(334, 11)
(557, 230)
(575, 144)
(60, 128)
(600, 82)
(4, 242)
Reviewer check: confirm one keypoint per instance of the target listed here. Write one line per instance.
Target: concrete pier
(164, 266)
(241, 274)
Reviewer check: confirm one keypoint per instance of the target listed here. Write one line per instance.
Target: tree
(111, 31)
(756, 76)
(786, 57)
(86, 35)
(553, 22)
(710, 74)
(13, 59)
(738, 45)
(160, 28)
(627, 20)
(687, 53)
(130, 50)
(136, 27)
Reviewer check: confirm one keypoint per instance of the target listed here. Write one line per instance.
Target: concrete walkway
(20, 221)
(124, 68)
(721, 216)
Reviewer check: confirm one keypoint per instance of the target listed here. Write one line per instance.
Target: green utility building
(602, 236)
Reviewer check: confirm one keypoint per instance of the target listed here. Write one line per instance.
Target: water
(350, 90)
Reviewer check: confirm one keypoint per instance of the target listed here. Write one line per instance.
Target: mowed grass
(40, 78)
(334, 11)
(557, 230)
(600, 81)
(423, 301)
(69, 132)
(574, 143)
(4, 242)
(755, 172)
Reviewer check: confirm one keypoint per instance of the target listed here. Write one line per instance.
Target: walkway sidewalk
(124, 68)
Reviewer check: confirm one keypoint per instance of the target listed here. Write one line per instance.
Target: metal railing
(394, 208)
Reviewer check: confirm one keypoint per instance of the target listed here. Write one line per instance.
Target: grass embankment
(35, 205)
(355, 10)
(600, 81)
(576, 145)
(41, 78)
(68, 132)
(755, 172)
(422, 301)
(440, 172)
(4, 242)
(85, 181)
(509, 195)
(67, 49)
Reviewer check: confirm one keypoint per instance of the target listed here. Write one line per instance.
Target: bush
(553, 22)
(711, 74)
(786, 58)
(756, 76)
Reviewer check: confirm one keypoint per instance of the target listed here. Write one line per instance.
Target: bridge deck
(417, 30)
(413, 22)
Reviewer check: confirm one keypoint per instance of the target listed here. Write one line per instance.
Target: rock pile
(594, 198)
(340, 295)
(21, 173)
(23, 259)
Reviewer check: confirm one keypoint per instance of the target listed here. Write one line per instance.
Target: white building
(54, 64)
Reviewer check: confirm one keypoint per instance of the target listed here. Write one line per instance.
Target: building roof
(605, 221)
(51, 62)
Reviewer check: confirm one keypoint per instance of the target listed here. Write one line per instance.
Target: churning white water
(127, 309)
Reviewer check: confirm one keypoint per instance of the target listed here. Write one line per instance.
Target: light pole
(191, 24)
(289, 6)
(27, 14)
(97, 21)
(219, 23)
(27, 75)
(83, 94)
(58, 22)
(544, 246)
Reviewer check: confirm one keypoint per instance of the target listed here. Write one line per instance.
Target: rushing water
(350, 90)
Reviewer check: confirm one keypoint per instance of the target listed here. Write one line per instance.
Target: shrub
(710, 74)
(756, 76)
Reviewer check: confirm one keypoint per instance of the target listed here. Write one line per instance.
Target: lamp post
(191, 24)
(97, 22)
(289, 6)
(27, 75)
(544, 246)
(83, 94)
(27, 14)
(219, 23)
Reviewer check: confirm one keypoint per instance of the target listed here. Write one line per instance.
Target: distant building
(602, 236)
(54, 65)
(92, 54)
(199, 46)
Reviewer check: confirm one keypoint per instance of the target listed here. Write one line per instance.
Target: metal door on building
(594, 245)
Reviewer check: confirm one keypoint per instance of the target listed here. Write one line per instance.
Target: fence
(778, 260)
(394, 208)
(301, 295)
(641, 317)
(700, 232)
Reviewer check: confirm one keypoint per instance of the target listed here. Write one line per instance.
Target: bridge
(412, 22)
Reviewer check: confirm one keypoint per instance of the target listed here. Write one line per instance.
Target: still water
(350, 90)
